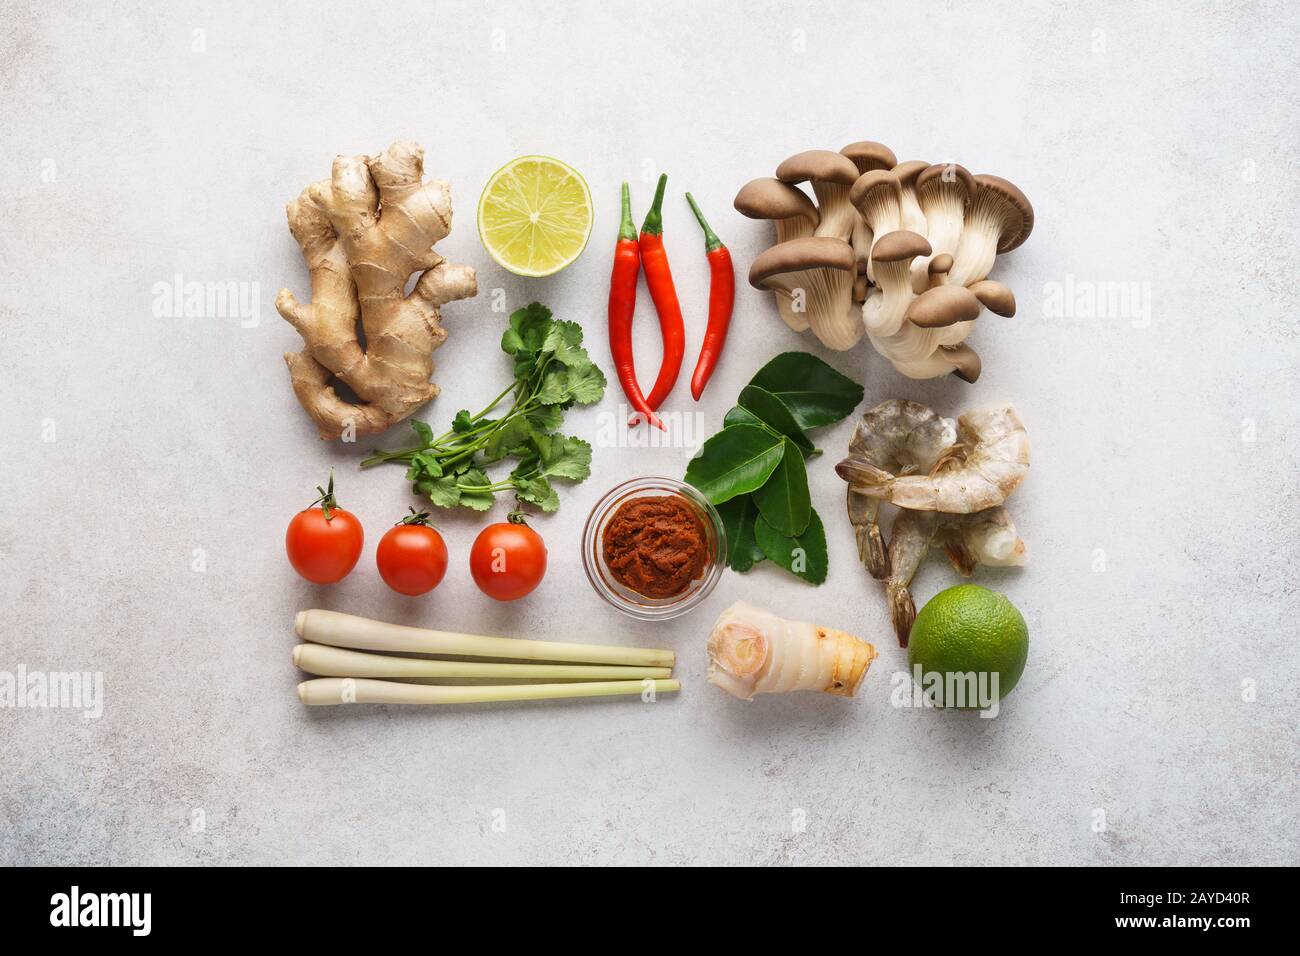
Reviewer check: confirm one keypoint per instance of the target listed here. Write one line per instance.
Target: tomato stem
(326, 500)
(416, 517)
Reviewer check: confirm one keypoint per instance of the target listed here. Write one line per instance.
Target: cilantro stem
(481, 489)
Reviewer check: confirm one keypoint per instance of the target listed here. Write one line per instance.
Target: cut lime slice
(534, 216)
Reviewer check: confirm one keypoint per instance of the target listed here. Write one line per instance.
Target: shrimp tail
(863, 514)
(871, 551)
(962, 558)
(902, 610)
(862, 474)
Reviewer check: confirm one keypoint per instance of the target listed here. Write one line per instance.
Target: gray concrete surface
(150, 463)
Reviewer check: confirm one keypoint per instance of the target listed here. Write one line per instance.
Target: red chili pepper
(722, 298)
(659, 278)
(622, 304)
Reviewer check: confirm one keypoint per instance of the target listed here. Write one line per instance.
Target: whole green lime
(971, 644)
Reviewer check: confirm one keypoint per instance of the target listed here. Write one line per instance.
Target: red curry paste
(656, 546)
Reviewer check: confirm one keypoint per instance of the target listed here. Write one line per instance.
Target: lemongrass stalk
(326, 661)
(361, 690)
(346, 630)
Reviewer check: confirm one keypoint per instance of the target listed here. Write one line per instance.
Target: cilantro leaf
(423, 430)
(546, 419)
(528, 330)
(424, 465)
(462, 422)
(471, 484)
(564, 341)
(564, 456)
(586, 384)
(508, 438)
(554, 389)
(538, 491)
(441, 491)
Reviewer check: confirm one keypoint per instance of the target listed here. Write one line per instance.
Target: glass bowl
(625, 599)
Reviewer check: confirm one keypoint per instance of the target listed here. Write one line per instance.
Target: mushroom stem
(795, 217)
(837, 214)
(883, 313)
(960, 360)
(913, 219)
(866, 156)
(978, 247)
(878, 197)
(998, 220)
(861, 241)
(965, 361)
(830, 314)
(813, 279)
(792, 313)
(942, 192)
(908, 329)
(830, 175)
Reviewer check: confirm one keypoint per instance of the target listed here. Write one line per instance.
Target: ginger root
(363, 233)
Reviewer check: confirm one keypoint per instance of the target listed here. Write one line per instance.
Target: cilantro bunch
(552, 373)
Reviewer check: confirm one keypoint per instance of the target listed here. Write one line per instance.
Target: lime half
(534, 216)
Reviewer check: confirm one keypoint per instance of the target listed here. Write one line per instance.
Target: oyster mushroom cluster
(900, 252)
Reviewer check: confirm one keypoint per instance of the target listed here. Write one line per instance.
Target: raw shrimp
(898, 437)
(988, 462)
(985, 537)
(909, 543)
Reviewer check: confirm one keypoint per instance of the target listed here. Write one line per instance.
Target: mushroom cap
(868, 155)
(943, 306)
(942, 263)
(818, 165)
(1019, 213)
(870, 181)
(908, 171)
(966, 360)
(899, 245)
(955, 173)
(813, 252)
(769, 198)
(995, 296)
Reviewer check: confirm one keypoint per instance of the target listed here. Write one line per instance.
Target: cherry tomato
(324, 541)
(412, 557)
(508, 560)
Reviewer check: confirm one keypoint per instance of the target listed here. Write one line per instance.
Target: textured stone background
(1158, 146)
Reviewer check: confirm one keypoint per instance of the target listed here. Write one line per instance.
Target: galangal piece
(753, 651)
